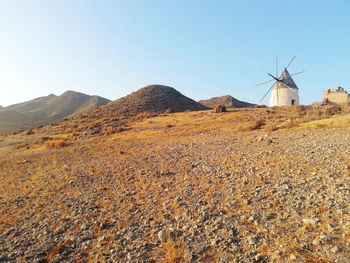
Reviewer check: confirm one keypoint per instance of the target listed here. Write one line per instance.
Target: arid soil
(168, 190)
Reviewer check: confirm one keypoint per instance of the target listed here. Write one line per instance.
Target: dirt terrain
(249, 185)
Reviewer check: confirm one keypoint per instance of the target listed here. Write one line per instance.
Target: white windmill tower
(284, 91)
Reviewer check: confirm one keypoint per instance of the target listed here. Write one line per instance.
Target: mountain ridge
(153, 98)
(226, 100)
(46, 109)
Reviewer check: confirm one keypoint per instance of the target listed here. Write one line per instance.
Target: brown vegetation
(59, 143)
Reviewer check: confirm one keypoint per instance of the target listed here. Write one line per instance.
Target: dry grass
(175, 251)
(236, 120)
(329, 122)
(54, 144)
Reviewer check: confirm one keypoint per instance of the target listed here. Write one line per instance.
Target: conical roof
(287, 80)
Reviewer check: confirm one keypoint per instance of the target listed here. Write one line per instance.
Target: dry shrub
(169, 110)
(271, 126)
(53, 144)
(299, 110)
(111, 130)
(176, 252)
(57, 249)
(333, 110)
(143, 115)
(258, 124)
(220, 108)
(74, 134)
(252, 125)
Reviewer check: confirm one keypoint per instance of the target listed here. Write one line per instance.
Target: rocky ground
(206, 196)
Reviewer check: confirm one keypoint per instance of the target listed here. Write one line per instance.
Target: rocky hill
(153, 98)
(148, 101)
(44, 110)
(228, 101)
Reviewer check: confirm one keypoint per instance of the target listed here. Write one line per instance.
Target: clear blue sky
(202, 48)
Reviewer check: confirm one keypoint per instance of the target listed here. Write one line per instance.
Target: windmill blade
(272, 76)
(264, 82)
(263, 70)
(290, 62)
(276, 66)
(298, 73)
(267, 92)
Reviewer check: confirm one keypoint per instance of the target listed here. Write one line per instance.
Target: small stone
(233, 231)
(4, 258)
(162, 236)
(335, 249)
(327, 238)
(253, 241)
(130, 256)
(309, 221)
(292, 257)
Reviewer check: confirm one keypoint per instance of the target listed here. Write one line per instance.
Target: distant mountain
(227, 101)
(44, 110)
(153, 98)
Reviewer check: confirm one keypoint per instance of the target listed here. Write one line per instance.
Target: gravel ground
(204, 197)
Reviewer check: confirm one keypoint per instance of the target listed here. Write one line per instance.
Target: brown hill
(153, 98)
(44, 110)
(227, 101)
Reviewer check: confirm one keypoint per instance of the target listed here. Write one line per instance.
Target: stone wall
(338, 95)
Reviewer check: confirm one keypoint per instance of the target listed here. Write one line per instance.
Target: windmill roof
(286, 79)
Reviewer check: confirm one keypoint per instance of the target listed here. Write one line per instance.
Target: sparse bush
(271, 126)
(44, 139)
(53, 144)
(333, 110)
(30, 132)
(252, 125)
(258, 124)
(111, 130)
(143, 115)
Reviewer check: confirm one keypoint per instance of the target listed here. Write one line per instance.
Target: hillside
(145, 102)
(228, 101)
(181, 188)
(44, 110)
(153, 98)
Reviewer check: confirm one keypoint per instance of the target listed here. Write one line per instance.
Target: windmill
(284, 91)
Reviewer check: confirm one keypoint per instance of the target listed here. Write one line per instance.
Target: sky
(203, 48)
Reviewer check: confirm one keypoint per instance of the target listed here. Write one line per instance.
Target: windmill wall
(283, 96)
(338, 95)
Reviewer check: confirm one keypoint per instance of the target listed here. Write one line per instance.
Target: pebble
(162, 236)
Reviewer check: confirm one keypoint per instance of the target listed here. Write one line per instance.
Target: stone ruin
(337, 96)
